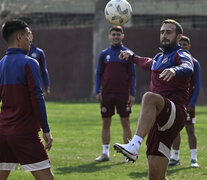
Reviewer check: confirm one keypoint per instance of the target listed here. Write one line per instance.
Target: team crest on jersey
(103, 109)
(107, 58)
(164, 60)
(34, 55)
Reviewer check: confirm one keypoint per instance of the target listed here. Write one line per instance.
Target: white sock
(105, 149)
(137, 141)
(193, 154)
(175, 154)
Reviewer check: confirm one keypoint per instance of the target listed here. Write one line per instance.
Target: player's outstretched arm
(125, 54)
(48, 140)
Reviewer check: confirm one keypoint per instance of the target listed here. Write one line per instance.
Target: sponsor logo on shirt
(164, 60)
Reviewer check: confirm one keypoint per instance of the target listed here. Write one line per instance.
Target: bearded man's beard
(168, 46)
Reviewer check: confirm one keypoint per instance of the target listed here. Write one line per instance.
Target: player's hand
(131, 100)
(99, 97)
(48, 140)
(167, 74)
(124, 54)
(46, 93)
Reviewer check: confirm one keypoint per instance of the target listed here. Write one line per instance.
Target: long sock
(137, 141)
(105, 149)
(193, 154)
(175, 154)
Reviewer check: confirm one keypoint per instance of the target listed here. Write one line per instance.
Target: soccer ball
(118, 12)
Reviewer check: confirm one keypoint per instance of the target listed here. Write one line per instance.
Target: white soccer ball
(118, 12)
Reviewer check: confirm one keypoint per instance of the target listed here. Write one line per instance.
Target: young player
(115, 88)
(39, 55)
(23, 110)
(195, 85)
(164, 107)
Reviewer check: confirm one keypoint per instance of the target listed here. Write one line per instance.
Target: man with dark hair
(195, 85)
(164, 106)
(115, 88)
(39, 55)
(23, 110)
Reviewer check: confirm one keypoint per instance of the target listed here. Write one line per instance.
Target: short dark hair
(179, 29)
(12, 26)
(185, 38)
(116, 28)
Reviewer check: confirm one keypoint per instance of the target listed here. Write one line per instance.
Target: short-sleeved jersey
(39, 55)
(114, 75)
(23, 108)
(177, 89)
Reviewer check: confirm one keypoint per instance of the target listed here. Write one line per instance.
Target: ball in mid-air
(118, 12)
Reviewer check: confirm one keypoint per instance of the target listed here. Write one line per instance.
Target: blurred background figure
(195, 86)
(39, 55)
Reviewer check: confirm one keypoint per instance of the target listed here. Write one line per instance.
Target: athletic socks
(193, 154)
(137, 141)
(175, 154)
(105, 149)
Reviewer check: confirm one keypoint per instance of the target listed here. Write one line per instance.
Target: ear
(189, 47)
(122, 36)
(18, 36)
(179, 36)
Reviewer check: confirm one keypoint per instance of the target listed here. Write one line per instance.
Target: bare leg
(157, 167)
(4, 175)
(127, 133)
(192, 139)
(44, 174)
(106, 130)
(176, 142)
(152, 105)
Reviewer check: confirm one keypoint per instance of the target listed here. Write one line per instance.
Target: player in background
(164, 107)
(39, 55)
(115, 88)
(195, 86)
(23, 111)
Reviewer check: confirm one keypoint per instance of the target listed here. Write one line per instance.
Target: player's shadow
(172, 170)
(86, 168)
(135, 175)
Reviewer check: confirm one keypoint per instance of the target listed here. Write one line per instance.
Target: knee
(190, 130)
(150, 97)
(153, 99)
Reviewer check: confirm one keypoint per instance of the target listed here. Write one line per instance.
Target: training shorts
(190, 117)
(168, 124)
(27, 150)
(111, 101)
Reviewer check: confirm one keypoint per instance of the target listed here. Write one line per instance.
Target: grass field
(76, 129)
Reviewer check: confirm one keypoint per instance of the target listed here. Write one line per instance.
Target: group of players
(174, 89)
(166, 108)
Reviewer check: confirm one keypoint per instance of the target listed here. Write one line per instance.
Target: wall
(69, 58)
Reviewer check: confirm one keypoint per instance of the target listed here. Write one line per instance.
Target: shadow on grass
(135, 175)
(86, 168)
(170, 171)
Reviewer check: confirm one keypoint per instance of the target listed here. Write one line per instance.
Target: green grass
(76, 129)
